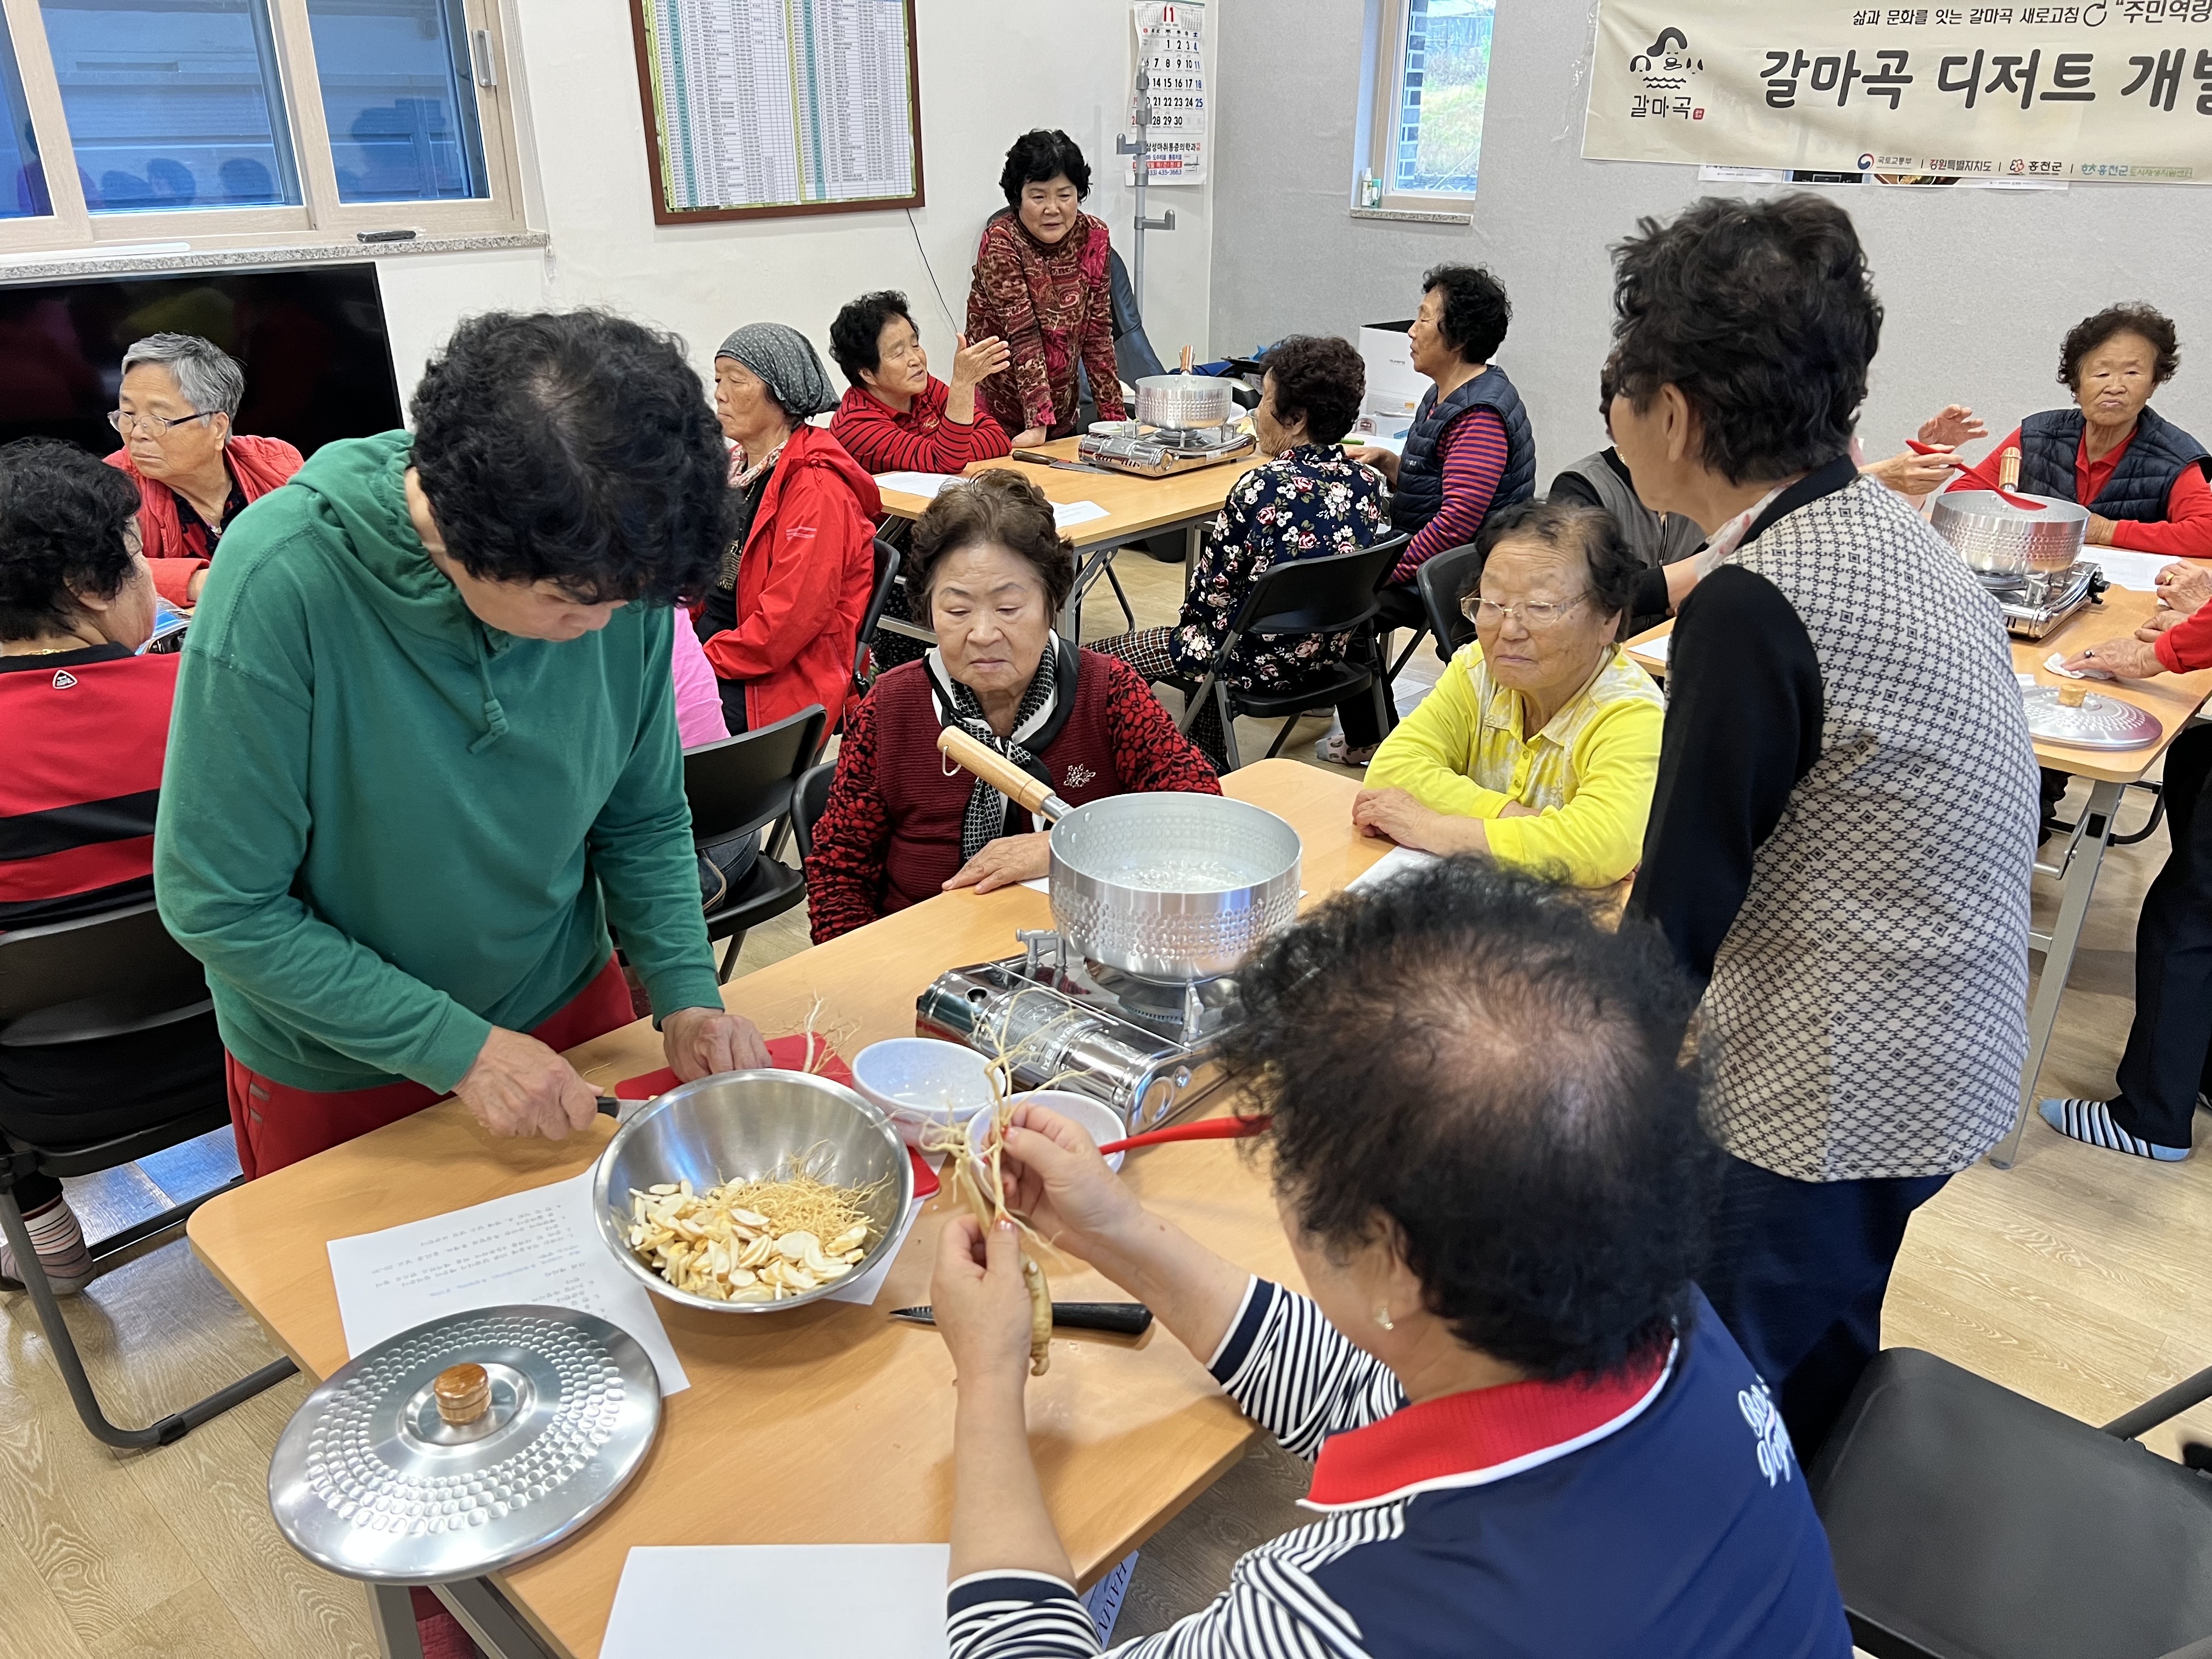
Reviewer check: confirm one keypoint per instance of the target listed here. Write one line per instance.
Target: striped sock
(61, 1248)
(2091, 1121)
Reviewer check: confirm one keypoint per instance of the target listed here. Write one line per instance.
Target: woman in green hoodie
(425, 755)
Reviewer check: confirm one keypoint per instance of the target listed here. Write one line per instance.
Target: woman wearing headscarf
(781, 622)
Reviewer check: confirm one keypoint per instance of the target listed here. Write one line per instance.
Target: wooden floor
(2080, 1278)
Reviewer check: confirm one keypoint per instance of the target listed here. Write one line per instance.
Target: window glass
(400, 97)
(22, 182)
(1438, 138)
(173, 104)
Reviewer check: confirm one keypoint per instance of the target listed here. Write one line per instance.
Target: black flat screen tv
(318, 363)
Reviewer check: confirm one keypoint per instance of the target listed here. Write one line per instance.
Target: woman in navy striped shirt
(1530, 1434)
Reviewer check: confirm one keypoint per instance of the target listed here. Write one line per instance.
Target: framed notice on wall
(756, 108)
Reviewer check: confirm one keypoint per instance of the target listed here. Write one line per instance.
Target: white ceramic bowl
(1095, 1118)
(918, 1081)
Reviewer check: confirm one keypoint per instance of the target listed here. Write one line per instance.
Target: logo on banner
(1665, 69)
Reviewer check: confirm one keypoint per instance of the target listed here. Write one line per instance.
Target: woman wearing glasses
(179, 395)
(1540, 743)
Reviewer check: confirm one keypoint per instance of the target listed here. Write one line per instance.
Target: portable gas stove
(2039, 602)
(1148, 1050)
(1162, 452)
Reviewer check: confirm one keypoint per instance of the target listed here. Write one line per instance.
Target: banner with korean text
(2115, 89)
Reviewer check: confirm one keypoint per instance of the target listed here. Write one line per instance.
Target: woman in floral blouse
(1309, 499)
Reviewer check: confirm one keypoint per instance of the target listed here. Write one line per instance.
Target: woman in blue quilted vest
(2142, 477)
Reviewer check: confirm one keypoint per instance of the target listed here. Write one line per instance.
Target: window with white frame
(1433, 73)
(238, 121)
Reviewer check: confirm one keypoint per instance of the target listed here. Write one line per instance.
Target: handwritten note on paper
(925, 484)
(1067, 514)
(794, 1601)
(2123, 568)
(541, 1247)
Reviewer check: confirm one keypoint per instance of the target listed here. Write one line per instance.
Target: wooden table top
(2173, 698)
(1133, 505)
(829, 1424)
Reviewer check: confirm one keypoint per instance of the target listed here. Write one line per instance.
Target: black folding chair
(740, 786)
(1463, 556)
(1445, 580)
(887, 570)
(808, 801)
(78, 985)
(1967, 1522)
(1334, 595)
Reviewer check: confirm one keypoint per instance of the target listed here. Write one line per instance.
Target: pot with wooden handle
(1167, 886)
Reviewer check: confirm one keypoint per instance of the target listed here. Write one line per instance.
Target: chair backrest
(1443, 581)
(808, 800)
(95, 976)
(744, 783)
(887, 569)
(1318, 596)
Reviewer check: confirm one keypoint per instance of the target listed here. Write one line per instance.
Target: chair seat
(770, 888)
(1970, 1522)
(92, 1159)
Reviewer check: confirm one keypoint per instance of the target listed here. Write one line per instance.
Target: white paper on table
(925, 484)
(2123, 568)
(1066, 513)
(540, 1247)
(865, 1289)
(1394, 862)
(1658, 650)
(793, 1601)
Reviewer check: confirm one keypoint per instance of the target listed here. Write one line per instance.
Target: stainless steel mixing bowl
(741, 1126)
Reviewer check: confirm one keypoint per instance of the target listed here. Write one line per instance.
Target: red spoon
(1212, 1128)
(2023, 502)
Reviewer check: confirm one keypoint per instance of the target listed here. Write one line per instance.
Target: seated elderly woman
(179, 395)
(1501, 1369)
(87, 725)
(896, 415)
(1310, 501)
(989, 570)
(782, 620)
(1539, 745)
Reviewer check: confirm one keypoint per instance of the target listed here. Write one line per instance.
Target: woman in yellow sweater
(1540, 746)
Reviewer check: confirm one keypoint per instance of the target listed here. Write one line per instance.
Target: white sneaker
(1335, 750)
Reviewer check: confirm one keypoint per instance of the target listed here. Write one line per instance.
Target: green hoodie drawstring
(494, 715)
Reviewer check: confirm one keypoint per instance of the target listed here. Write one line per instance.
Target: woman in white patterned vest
(1844, 830)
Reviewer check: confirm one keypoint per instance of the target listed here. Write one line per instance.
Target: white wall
(1979, 285)
(990, 69)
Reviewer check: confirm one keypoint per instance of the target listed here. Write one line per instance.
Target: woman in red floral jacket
(1042, 285)
(901, 823)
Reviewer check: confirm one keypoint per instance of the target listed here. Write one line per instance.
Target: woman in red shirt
(2142, 477)
(903, 824)
(897, 416)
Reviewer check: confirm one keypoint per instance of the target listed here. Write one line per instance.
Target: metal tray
(370, 1482)
(2099, 723)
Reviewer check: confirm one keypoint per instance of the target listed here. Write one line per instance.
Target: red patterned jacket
(1053, 305)
(890, 834)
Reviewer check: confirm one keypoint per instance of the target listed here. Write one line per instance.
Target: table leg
(490, 1622)
(391, 1621)
(2075, 887)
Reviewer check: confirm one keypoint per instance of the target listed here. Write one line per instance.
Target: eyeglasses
(1534, 614)
(124, 422)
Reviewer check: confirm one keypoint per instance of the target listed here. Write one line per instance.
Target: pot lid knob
(464, 1394)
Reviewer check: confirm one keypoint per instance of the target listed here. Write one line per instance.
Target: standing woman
(1042, 284)
(781, 621)
(1843, 829)
(179, 395)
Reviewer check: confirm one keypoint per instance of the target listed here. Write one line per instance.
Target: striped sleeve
(1471, 456)
(1295, 1375)
(1010, 1614)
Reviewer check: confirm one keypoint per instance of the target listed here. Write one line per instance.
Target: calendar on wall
(1171, 55)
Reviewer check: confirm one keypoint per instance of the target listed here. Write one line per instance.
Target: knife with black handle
(1123, 1318)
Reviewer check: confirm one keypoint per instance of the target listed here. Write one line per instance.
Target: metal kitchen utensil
(2099, 723)
(736, 1126)
(1185, 401)
(2001, 542)
(1123, 1318)
(371, 1481)
(1165, 886)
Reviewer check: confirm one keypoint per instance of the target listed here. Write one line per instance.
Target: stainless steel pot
(1185, 401)
(1167, 886)
(2001, 541)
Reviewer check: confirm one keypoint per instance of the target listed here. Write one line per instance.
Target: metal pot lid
(2099, 723)
(370, 1481)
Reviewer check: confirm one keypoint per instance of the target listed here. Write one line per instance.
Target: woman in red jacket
(179, 395)
(782, 622)
(989, 570)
